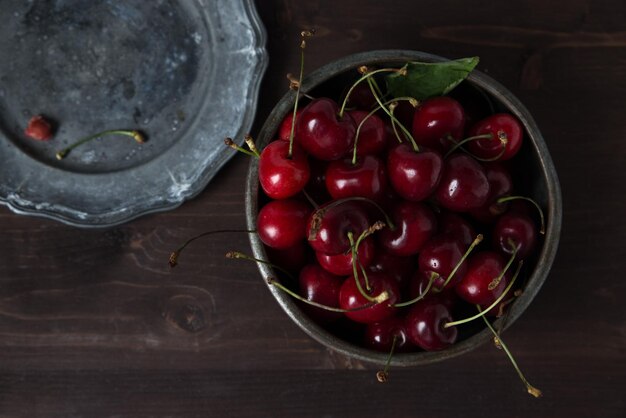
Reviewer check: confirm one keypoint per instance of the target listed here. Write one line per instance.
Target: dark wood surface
(93, 323)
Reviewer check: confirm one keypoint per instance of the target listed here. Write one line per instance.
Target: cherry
(328, 226)
(291, 259)
(372, 138)
(480, 285)
(500, 185)
(39, 128)
(398, 268)
(500, 125)
(284, 129)
(436, 120)
(379, 336)
(413, 175)
(414, 222)
(425, 325)
(366, 178)
(441, 255)
(451, 223)
(322, 133)
(282, 223)
(361, 97)
(464, 185)
(282, 176)
(316, 187)
(318, 285)
(515, 233)
(418, 285)
(342, 264)
(381, 286)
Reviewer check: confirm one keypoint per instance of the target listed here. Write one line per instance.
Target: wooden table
(94, 323)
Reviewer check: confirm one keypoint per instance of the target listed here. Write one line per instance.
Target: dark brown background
(93, 323)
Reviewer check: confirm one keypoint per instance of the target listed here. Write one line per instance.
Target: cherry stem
(355, 272)
(230, 143)
(383, 375)
(503, 141)
(274, 282)
(304, 34)
(173, 260)
(136, 135)
(542, 230)
(393, 118)
(236, 255)
(421, 296)
(530, 388)
(473, 245)
(366, 76)
(494, 304)
(310, 200)
(413, 101)
(496, 280)
(319, 214)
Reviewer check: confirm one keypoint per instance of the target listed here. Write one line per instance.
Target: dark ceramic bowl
(539, 182)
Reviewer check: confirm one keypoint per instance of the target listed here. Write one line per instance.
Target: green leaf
(425, 79)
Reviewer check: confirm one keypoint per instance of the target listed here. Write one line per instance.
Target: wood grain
(94, 323)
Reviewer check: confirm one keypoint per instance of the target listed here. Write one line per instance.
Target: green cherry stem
(230, 143)
(494, 304)
(496, 281)
(542, 230)
(173, 260)
(355, 273)
(421, 296)
(530, 388)
(304, 34)
(383, 375)
(503, 141)
(473, 245)
(366, 76)
(236, 255)
(136, 135)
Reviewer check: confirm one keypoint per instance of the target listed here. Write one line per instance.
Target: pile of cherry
(393, 224)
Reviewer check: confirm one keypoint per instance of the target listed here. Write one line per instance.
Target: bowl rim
(548, 174)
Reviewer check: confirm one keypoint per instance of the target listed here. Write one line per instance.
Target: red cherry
(500, 185)
(415, 223)
(515, 231)
(341, 264)
(418, 285)
(361, 97)
(329, 225)
(281, 176)
(425, 325)
(437, 119)
(351, 298)
(500, 125)
(379, 335)
(451, 223)
(440, 255)
(284, 129)
(367, 178)
(413, 175)
(479, 285)
(464, 185)
(372, 137)
(316, 187)
(39, 128)
(282, 223)
(322, 133)
(318, 285)
(398, 268)
(291, 259)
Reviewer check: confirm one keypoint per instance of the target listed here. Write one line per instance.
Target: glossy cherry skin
(280, 176)
(379, 336)
(322, 133)
(366, 178)
(500, 124)
(350, 298)
(500, 185)
(413, 175)
(414, 222)
(291, 259)
(333, 222)
(464, 185)
(437, 119)
(398, 268)
(451, 223)
(372, 136)
(39, 128)
(318, 285)
(515, 230)
(341, 264)
(284, 129)
(282, 223)
(478, 286)
(440, 255)
(425, 325)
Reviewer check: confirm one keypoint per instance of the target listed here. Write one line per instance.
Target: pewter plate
(184, 72)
